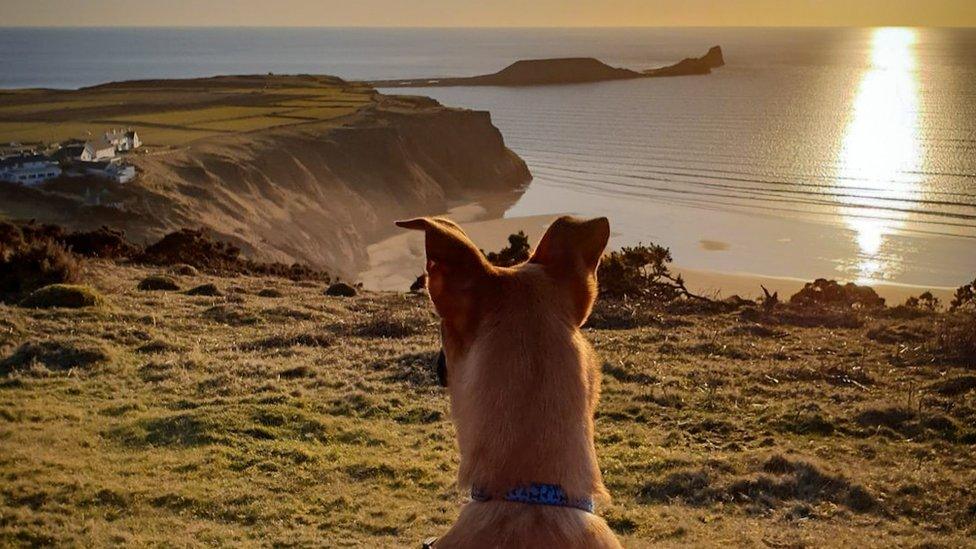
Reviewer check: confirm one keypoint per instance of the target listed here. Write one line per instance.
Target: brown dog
(523, 383)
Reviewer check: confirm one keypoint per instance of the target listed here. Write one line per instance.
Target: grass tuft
(67, 296)
(58, 355)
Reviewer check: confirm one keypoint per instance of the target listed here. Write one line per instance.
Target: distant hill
(569, 70)
(535, 72)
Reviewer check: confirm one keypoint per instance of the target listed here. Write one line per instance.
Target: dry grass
(315, 420)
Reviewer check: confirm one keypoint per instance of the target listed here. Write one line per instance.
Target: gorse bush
(965, 298)
(516, 252)
(187, 248)
(191, 247)
(924, 301)
(641, 272)
(822, 292)
(104, 243)
(29, 266)
(196, 248)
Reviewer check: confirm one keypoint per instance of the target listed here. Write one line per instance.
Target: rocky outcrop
(573, 70)
(692, 65)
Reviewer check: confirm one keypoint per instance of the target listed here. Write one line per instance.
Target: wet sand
(397, 261)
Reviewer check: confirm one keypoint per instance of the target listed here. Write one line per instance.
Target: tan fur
(523, 381)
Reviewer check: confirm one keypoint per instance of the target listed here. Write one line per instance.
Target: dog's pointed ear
(570, 251)
(454, 264)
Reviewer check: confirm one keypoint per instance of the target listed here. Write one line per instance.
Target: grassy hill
(176, 112)
(272, 414)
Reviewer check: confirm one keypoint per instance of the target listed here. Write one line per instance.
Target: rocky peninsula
(570, 70)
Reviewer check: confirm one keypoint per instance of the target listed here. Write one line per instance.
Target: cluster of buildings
(99, 157)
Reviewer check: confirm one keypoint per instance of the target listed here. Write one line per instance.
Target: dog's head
(557, 285)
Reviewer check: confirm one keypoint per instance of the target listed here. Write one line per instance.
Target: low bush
(205, 290)
(823, 292)
(965, 298)
(57, 354)
(341, 289)
(104, 243)
(516, 252)
(924, 301)
(195, 248)
(956, 338)
(28, 266)
(641, 272)
(68, 296)
(159, 283)
(270, 292)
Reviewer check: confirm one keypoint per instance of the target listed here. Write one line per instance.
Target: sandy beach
(394, 263)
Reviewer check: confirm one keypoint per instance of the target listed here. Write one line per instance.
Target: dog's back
(524, 384)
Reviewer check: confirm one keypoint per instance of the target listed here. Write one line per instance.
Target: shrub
(63, 295)
(191, 247)
(388, 325)
(641, 272)
(205, 289)
(104, 243)
(516, 252)
(956, 340)
(420, 284)
(185, 270)
(965, 298)
(197, 249)
(829, 292)
(30, 266)
(158, 282)
(56, 354)
(924, 301)
(10, 237)
(341, 289)
(270, 292)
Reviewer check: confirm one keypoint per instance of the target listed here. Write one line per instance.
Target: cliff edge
(315, 192)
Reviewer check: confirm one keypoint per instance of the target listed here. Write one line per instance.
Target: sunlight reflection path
(880, 149)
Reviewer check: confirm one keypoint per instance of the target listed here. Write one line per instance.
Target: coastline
(396, 261)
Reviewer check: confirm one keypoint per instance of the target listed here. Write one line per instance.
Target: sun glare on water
(880, 154)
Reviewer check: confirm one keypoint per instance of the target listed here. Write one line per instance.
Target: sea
(845, 153)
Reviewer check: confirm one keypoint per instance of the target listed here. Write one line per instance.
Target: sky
(488, 13)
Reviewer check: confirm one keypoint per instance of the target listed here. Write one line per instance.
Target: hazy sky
(439, 13)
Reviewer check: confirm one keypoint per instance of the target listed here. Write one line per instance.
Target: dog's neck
(523, 406)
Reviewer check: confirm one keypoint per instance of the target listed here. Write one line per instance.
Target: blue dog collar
(537, 494)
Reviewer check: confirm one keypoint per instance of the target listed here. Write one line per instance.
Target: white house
(28, 170)
(111, 169)
(97, 150)
(123, 140)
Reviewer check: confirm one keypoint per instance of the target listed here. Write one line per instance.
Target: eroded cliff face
(320, 193)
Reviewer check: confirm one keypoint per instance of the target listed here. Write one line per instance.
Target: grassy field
(176, 112)
(164, 418)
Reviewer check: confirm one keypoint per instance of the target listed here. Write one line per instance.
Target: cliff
(316, 193)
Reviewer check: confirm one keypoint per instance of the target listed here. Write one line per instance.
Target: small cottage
(97, 150)
(123, 140)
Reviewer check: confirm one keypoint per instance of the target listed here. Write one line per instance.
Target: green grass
(190, 117)
(176, 114)
(311, 420)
